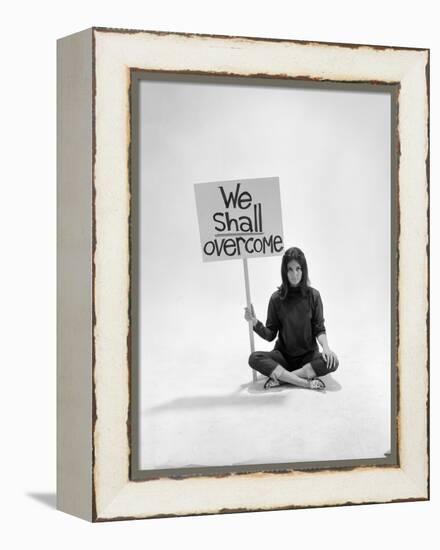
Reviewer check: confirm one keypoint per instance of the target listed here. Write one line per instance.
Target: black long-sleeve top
(298, 320)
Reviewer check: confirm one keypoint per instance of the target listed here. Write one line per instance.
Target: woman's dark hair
(290, 254)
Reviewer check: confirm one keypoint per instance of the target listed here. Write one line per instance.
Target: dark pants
(265, 362)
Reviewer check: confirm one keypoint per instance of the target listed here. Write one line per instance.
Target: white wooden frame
(94, 274)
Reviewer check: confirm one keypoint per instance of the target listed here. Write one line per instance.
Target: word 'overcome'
(241, 234)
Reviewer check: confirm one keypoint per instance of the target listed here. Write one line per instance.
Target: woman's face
(294, 273)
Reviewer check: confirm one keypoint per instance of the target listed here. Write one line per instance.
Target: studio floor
(217, 416)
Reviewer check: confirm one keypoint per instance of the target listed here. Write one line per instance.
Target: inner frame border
(139, 75)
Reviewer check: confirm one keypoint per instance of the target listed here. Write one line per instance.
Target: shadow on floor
(228, 400)
(331, 384)
(274, 396)
(49, 499)
(258, 386)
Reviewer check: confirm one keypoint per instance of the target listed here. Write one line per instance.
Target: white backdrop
(28, 273)
(331, 150)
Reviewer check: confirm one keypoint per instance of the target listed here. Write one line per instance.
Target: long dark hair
(290, 254)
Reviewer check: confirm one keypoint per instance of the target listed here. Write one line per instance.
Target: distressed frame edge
(350, 45)
(259, 510)
(428, 268)
(96, 518)
(74, 327)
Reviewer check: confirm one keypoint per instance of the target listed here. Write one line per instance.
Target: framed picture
(243, 274)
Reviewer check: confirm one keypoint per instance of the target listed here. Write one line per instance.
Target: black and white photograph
(266, 273)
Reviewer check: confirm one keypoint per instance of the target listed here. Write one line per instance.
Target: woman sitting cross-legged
(295, 314)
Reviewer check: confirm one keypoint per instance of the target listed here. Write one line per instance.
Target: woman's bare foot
(271, 383)
(316, 384)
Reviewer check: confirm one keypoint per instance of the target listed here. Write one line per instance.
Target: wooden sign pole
(248, 304)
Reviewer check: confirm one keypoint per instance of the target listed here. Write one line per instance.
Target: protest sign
(239, 219)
